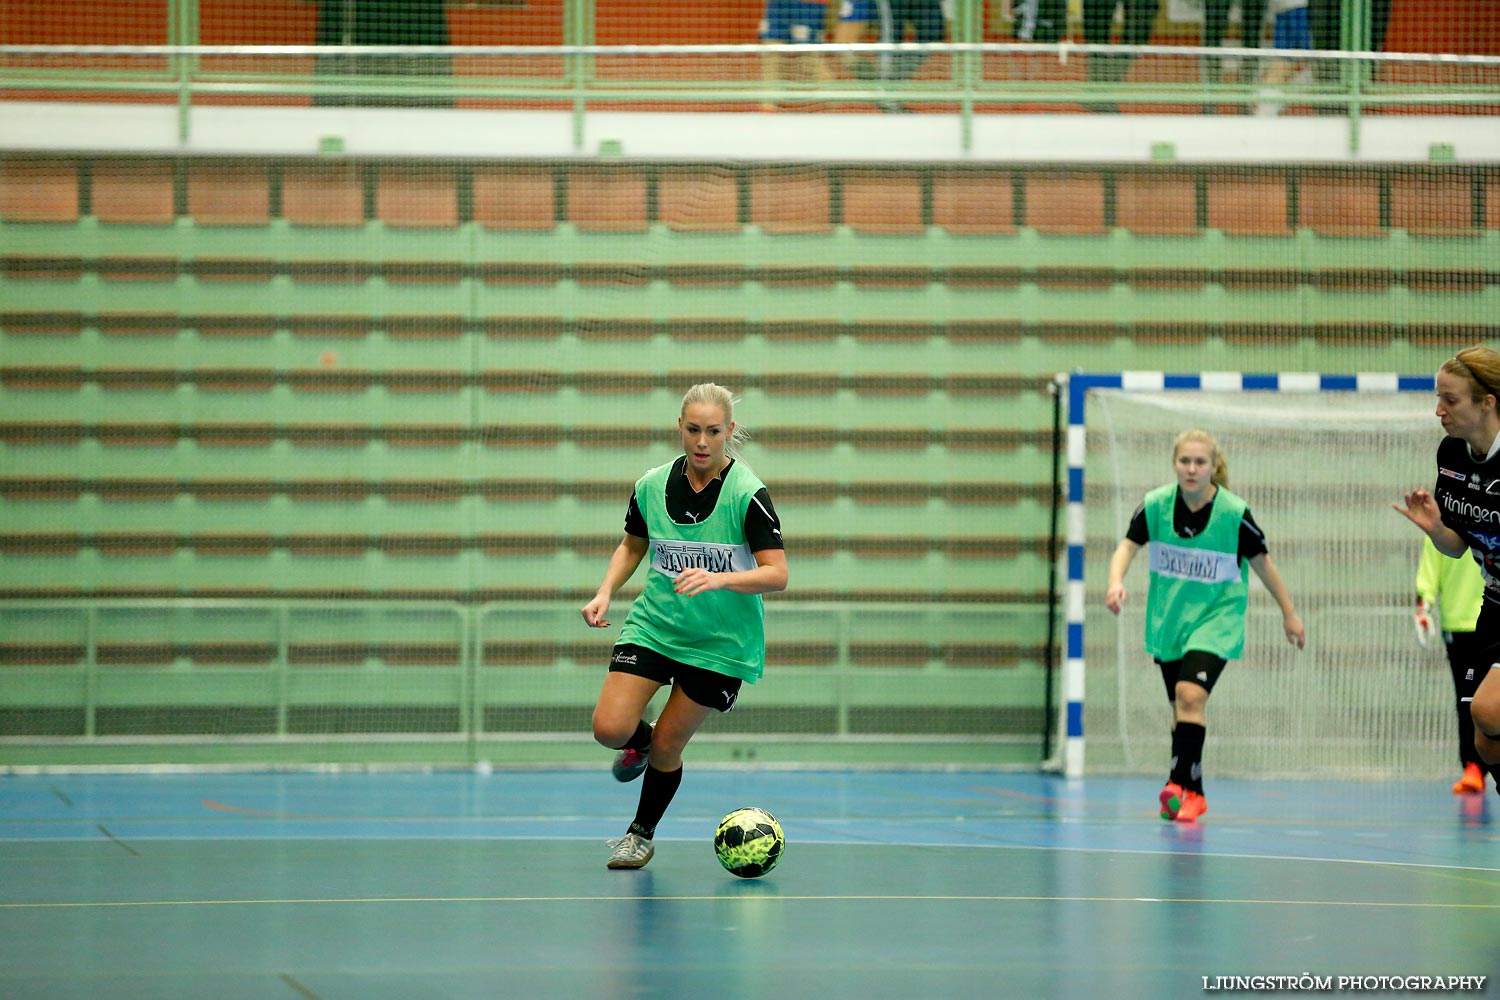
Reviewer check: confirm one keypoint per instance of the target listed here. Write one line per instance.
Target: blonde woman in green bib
(1201, 539)
(714, 546)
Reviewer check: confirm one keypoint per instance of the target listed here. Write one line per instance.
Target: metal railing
(278, 655)
(964, 79)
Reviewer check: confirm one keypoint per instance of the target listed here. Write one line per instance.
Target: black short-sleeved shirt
(686, 506)
(1188, 523)
(1468, 495)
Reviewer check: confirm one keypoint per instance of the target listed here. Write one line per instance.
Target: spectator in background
(1289, 30)
(1216, 25)
(1098, 23)
(383, 22)
(792, 22)
(1326, 20)
(892, 18)
(1041, 21)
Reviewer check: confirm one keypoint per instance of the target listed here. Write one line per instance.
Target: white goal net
(1319, 472)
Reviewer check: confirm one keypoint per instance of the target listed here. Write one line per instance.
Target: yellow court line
(779, 898)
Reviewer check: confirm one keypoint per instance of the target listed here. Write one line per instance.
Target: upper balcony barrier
(856, 101)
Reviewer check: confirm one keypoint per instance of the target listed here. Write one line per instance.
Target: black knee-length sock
(657, 789)
(1187, 756)
(640, 739)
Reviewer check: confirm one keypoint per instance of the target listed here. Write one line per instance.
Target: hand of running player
(1296, 634)
(696, 580)
(1420, 509)
(1114, 598)
(594, 611)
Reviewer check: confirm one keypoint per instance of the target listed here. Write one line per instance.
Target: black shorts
(708, 688)
(1195, 667)
(1469, 659)
(1485, 651)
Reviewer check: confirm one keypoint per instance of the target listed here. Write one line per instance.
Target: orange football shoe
(1171, 800)
(1193, 806)
(1472, 783)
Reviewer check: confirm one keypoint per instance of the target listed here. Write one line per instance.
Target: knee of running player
(1189, 701)
(1487, 747)
(1487, 727)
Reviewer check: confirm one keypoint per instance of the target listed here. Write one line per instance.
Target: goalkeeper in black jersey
(1461, 514)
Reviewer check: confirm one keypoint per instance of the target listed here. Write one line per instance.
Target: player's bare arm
(1119, 563)
(768, 577)
(1291, 623)
(622, 564)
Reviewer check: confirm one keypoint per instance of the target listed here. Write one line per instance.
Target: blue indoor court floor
(920, 885)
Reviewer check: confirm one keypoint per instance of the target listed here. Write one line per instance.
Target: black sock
(640, 739)
(1187, 756)
(1466, 752)
(657, 789)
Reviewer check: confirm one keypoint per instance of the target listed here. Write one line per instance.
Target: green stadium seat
(192, 435)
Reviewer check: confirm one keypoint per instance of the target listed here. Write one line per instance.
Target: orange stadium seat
(515, 197)
(1248, 204)
(790, 199)
(229, 194)
(39, 190)
(1157, 204)
(610, 199)
(1066, 205)
(1432, 204)
(137, 192)
(883, 201)
(323, 194)
(417, 197)
(973, 202)
(1340, 204)
(698, 199)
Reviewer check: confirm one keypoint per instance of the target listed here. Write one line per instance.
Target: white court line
(908, 845)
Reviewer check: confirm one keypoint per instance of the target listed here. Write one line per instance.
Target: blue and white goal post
(1364, 438)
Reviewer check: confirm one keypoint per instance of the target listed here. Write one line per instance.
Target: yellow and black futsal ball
(749, 842)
